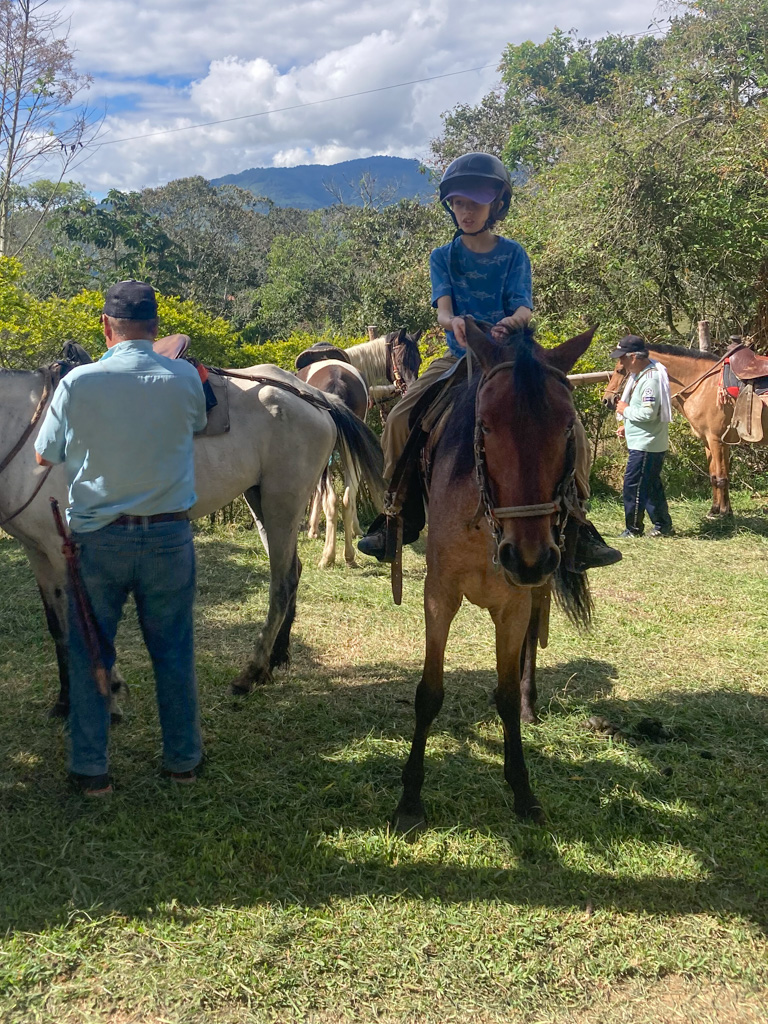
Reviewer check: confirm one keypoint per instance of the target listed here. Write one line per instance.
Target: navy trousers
(644, 491)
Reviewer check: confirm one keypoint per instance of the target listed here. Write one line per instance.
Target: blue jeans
(643, 490)
(155, 561)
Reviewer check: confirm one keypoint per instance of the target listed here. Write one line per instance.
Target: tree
(38, 85)
(125, 240)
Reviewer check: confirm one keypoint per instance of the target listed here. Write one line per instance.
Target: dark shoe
(591, 550)
(634, 534)
(657, 531)
(374, 543)
(91, 785)
(183, 778)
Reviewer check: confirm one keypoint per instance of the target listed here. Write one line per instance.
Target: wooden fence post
(704, 337)
(373, 332)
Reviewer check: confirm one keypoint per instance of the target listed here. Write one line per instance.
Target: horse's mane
(680, 350)
(370, 358)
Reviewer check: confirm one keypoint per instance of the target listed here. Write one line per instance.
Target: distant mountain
(305, 187)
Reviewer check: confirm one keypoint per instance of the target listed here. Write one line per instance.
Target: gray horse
(275, 451)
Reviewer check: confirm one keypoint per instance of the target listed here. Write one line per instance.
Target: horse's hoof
(59, 710)
(406, 824)
(115, 717)
(352, 564)
(531, 811)
(529, 717)
(240, 689)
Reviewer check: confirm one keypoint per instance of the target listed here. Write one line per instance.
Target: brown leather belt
(161, 517)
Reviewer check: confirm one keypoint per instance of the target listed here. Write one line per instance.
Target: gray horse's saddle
(172, 347)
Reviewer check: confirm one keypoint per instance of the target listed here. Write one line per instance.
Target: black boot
(374, 543)
(591, 550)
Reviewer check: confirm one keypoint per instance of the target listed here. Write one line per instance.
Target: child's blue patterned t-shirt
(486, 285)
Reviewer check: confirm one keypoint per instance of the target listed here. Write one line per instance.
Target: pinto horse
(694, 378)
(499, 497)
(394, 359)
(334, 377)
(281, 436)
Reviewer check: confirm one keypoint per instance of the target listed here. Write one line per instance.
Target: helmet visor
(482, 194)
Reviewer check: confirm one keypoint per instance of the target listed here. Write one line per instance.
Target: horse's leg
(528, 692)
(719, 465)
(509, 642)
(54, 607)
(349, 515)
(313, 527)
(278, 513)
(281, 654)
(440, 607)
(253, 501)
(330, 507)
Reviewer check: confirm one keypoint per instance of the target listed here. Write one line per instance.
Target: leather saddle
(318, 353)
(745, 363)
(172, 347)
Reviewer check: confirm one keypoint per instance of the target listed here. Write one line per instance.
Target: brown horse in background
(500, 489)
(694, 378)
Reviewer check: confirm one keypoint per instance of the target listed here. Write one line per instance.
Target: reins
(47, 388)
(494, 514)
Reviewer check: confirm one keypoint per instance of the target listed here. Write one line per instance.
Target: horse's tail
(574, 597)
(359, 449)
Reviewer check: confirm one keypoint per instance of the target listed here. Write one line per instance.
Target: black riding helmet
(478, 175)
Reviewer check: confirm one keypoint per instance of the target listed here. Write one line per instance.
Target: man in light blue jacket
(123, 429)
(646, 412)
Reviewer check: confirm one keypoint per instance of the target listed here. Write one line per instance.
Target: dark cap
(131, 300)
(630, 345)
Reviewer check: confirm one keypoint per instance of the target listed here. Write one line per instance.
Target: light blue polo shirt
(123, 429)
(486, 285)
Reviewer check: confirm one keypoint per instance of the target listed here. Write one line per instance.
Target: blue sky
(182, 62)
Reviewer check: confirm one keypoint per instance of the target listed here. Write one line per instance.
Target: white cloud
(184, 62)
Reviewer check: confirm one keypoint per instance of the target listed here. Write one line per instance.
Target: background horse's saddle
(319, 352)
(747, 364)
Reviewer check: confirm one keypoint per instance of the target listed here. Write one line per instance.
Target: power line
(652, 30)
(295, 106)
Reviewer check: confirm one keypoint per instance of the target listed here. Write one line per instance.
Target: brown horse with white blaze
(500, 492)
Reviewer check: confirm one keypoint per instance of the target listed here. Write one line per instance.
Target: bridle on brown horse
(48, 387)
(564, 501)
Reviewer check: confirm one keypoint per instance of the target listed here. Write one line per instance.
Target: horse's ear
(486, 353)
(565, 356)
(415, 335)
(401, 334)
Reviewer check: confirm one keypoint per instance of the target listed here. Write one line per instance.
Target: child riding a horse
(486, 276)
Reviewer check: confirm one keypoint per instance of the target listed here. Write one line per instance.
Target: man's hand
(621, 407)
(459, 331)
(519, 319)
(41, 461)
(620, 430)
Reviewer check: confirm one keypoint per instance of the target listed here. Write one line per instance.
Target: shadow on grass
(300, 781)
(303, 774)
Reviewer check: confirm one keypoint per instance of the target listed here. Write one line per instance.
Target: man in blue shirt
(488, 277)
(123, 429)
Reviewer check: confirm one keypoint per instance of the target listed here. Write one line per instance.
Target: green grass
(273, 891)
